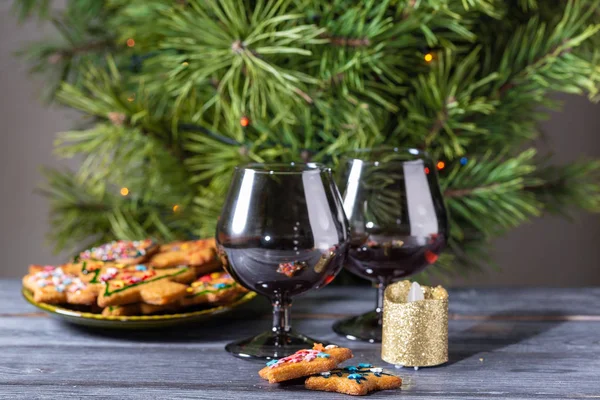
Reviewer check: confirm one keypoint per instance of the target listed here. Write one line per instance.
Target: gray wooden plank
(500, 374)
(466, 337)
(354, 300)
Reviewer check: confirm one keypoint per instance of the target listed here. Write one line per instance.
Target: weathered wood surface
(504, 344)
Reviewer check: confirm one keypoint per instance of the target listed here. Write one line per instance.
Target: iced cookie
(53, 285)
(121, 251)
(197, 253)
(352, 380)
(216, 288)
(305, 363)
(135, 284)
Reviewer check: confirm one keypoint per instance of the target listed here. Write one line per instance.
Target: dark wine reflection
(398, 223)
(282, 232)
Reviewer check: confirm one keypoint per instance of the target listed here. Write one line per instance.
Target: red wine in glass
(282, 232)
(398, 223)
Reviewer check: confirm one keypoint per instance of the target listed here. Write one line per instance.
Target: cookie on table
(195, 253)
(137, 284)
(353, 380)
(121, 251)
(305, 363)
(214, 288)
(52, 285)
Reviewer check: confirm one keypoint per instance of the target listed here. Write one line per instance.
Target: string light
(124, 191)
(176, 208)
(244, 121)
(441, 165)
(427, 170)
(428, 57)
(130, 42)
(464, 160)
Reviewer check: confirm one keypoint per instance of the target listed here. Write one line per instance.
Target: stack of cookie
(137, 277)
(318, 366)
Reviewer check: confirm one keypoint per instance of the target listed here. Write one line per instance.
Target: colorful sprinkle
(357, 377)
(326, 374)
(299, 356)
(141, 268)
(41, 283)
(351, 368)
(376, 370)
(60, 288)
(220, 285)
(121, 249)
(323, 355)
(272, 362)
(364, 365)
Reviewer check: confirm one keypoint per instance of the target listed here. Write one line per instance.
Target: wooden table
(504, 344)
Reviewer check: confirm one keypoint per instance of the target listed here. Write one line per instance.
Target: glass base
(270, 345)
(366, 327)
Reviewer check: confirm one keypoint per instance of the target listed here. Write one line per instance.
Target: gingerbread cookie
(217, 288)
(121, 251)
(53, 285)
(200, 254)
(305, 363)
(135, 284)
(353, 380)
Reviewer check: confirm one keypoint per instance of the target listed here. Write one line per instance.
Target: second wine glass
(398, 223)
(282, 232)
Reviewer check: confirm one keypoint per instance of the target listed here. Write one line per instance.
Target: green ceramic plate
(134, 322)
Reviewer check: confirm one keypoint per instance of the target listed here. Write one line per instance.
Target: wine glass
(398, 223)
(282, 232)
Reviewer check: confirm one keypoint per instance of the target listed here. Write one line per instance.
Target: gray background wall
(548, 251)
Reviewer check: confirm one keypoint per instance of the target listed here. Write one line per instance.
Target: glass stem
(281, 315)
(381, 285)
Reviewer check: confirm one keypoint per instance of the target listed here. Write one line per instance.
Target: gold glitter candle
(415, 334)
